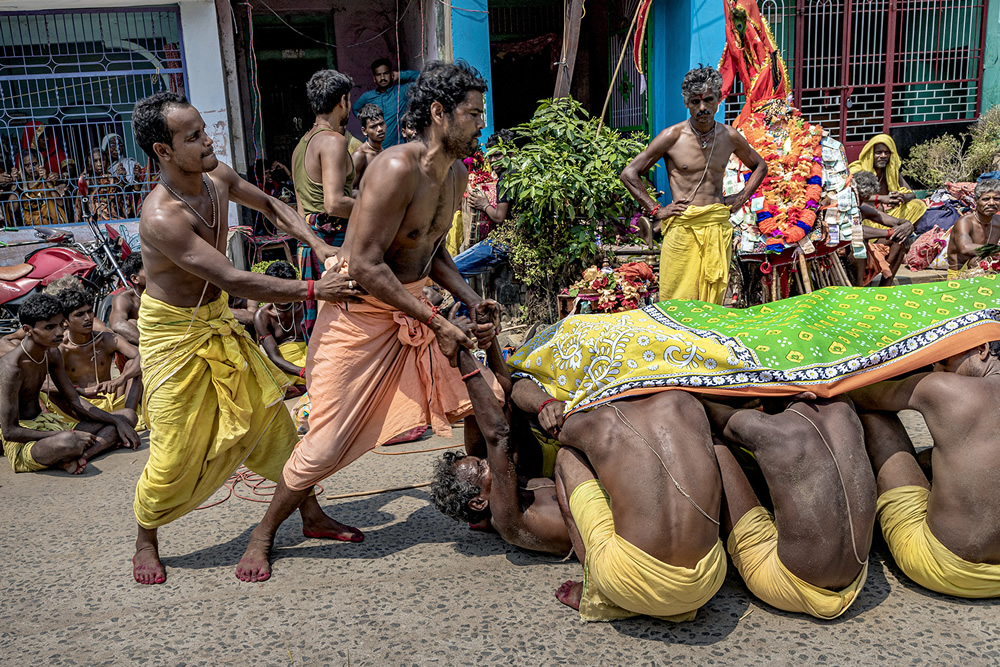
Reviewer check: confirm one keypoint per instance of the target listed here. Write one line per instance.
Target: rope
(358, 494)
(847, 497)
(261, 489)
(655, 453)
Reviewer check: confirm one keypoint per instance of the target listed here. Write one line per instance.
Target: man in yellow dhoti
(279, 327)
(945, 536)
(697, 235)
(812, 455)
(213, 400)
(894, 196)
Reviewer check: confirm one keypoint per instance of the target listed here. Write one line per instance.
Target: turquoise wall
(682, 34)
(991, 58)
(471, 42)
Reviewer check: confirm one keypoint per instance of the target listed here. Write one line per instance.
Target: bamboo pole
(804, 270)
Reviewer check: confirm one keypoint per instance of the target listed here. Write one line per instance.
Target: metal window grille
(68, 83)
(629, 98)
(861, 67)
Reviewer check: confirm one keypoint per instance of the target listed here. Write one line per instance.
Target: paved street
(421, 589)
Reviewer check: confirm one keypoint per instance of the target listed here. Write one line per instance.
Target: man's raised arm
(283, 216)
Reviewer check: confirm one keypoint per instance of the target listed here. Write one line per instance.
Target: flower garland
(793, 187)
(615, 290)
(479, 168)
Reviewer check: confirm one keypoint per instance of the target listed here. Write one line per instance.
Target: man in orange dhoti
(386, 365)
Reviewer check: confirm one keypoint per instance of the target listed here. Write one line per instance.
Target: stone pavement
(421, 589)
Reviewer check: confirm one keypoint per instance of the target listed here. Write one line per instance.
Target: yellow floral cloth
(694, 257)
(213, 401)
(753, 544)
(620, 580)
(902, 512)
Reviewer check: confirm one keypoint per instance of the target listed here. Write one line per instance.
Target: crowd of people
(649, 493)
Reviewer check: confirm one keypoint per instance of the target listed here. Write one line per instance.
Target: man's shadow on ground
(382, 538)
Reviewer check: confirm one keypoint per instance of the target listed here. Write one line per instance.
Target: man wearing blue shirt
(390, 96)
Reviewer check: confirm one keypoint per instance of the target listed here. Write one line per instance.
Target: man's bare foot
(570, 593)
(327, 528)
(76, 467)
(256, 562)
(146, 565)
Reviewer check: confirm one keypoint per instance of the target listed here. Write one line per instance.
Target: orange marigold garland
(793, 187)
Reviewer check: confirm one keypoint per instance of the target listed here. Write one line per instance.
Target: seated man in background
(894, 195)
(88, 355)
(279, 326)
(945, 536)
(506, 485)
(640, 491)
(34, 439)
(811, 555)
(975, 229)
(373, 127)
(887, 237)
(125, 304)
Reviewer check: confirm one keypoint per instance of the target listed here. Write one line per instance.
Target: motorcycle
(96, 264)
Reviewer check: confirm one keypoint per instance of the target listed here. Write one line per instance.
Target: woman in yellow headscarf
(894, 196)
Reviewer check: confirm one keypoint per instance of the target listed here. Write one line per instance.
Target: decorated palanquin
(828, 342)
(805, 209)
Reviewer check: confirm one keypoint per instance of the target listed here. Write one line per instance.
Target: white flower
(562, 379)
(710, 363)
(653, 367)
(647, 355)
(642, 340)
(631, 364)
(527, 363)
(660, 338)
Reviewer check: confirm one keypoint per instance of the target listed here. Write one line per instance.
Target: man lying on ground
(125, 304)
(811, 555)
(34, 439)
(279, 326)
(975, 229)
(945, 536)
(88, 355)
(887, 236)
(640, 491)
(507, 486)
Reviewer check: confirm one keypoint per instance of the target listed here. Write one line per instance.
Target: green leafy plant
(562, 179)
(951, 158)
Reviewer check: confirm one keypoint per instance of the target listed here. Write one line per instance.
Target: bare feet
(256, 562)
(570, 593)
(146, 565)
(75, 467)
(325, 527)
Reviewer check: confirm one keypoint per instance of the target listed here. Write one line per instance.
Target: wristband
(434, 314)
(544, 403)
(653, 210)
(876, 200)
(472, 374)
(264, 335)
(309, 290)
(302, 373)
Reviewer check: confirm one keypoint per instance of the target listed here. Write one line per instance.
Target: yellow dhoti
(19, 453)
(694, 258)
(104, 401)
(620, 580)
(753, 544)
(212, 402)
(921, 556)
(453, 242)
(294, 352)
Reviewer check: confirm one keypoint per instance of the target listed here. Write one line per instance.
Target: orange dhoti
(373, 373)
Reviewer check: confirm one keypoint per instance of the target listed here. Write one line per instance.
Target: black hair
(379, 62)
(701, 80)
(452, 495)
(281, 269)
(447, 83)
(39, 308)
(149, 120)
(995, 349)
(35, 155)
(326, 88)
(73, 299)
(867, 184)
(370, 113)
(504, 136)
(132, 264)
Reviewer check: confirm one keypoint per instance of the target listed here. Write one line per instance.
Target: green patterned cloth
(827, 342)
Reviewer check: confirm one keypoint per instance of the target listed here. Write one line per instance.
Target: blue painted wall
(682, 35)
(470, 32)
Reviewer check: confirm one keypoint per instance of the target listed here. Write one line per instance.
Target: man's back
(962, 511)
(632, 445)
